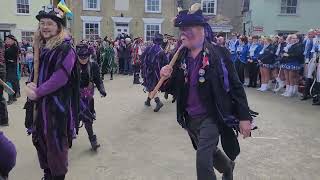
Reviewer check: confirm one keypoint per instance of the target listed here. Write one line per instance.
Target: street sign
(258, 28)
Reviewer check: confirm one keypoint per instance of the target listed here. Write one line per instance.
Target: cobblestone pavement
(138, 144)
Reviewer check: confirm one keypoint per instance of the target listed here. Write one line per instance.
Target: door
(121, 28)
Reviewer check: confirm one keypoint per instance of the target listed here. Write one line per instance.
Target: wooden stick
(36, 61)
(153, 93)
(7, 88)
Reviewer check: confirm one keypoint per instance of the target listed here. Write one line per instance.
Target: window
(153, 6)
(209, 7)
(23, 6)
(92, 30)
(289, 6)
(91, 5)
(27, 35)
(150, 30)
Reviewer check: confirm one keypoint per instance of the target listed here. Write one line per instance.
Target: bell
(184, 66)
(202, 79)
(202, 72)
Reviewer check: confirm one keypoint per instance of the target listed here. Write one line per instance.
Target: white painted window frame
(30, 31)
(90, 19)
(23, 14)
(215, 7)
(152, 21)
(149, 11)
(86, 8)
(288, 14)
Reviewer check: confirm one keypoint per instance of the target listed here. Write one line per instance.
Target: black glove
(103, 94)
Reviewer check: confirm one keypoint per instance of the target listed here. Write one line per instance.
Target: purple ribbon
(225, 76)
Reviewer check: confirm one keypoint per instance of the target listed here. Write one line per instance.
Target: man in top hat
(55, 94)
(8, 156)
(128, 56)
(3, 105)
(153, 59)
(89, 76)
(11, 57)
(136, 61)
(211, 100)
(121, 52)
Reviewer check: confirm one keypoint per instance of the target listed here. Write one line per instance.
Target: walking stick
(7, 88)
(36, 59)
(162, 79)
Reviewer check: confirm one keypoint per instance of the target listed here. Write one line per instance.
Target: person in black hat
(211, 101)
(153, 59)
(11, 57)
(89, 76)
(121, 54)
(4, 121)
(136, 61)
(56, 94)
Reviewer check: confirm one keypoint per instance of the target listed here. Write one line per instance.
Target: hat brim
(11, 37)
(49, 16)
(84, 56)
(189, 24)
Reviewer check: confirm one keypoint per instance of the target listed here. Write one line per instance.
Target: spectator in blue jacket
(242, 57)
(253, 67)
(232, 46)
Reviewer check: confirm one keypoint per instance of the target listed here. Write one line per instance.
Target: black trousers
(13, 79)
(121, 65)
(253, 69)
(205, 136)
(3, 108)
(240, 66)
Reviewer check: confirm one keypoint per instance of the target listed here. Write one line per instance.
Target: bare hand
(31, 94)
(245, 128)
(166, 72)
(32, 86)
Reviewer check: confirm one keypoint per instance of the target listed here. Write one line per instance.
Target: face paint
(187, 32)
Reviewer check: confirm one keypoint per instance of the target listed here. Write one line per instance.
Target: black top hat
(52, 13)
(192, 17)
(12, 37)
(158, 38)
(83, 51)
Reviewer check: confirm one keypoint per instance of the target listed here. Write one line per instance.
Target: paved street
(138, 144)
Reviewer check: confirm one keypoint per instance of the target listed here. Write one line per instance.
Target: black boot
(159, 104)
(316, 98)
(3, 177)
(11, 100)
(94, 143)
(136, 79)
(47, 175)
(111, 75)
(147, 102)
(58, 177)
(166, 95)
(223, 164)
(306, 92)
(4, 120)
